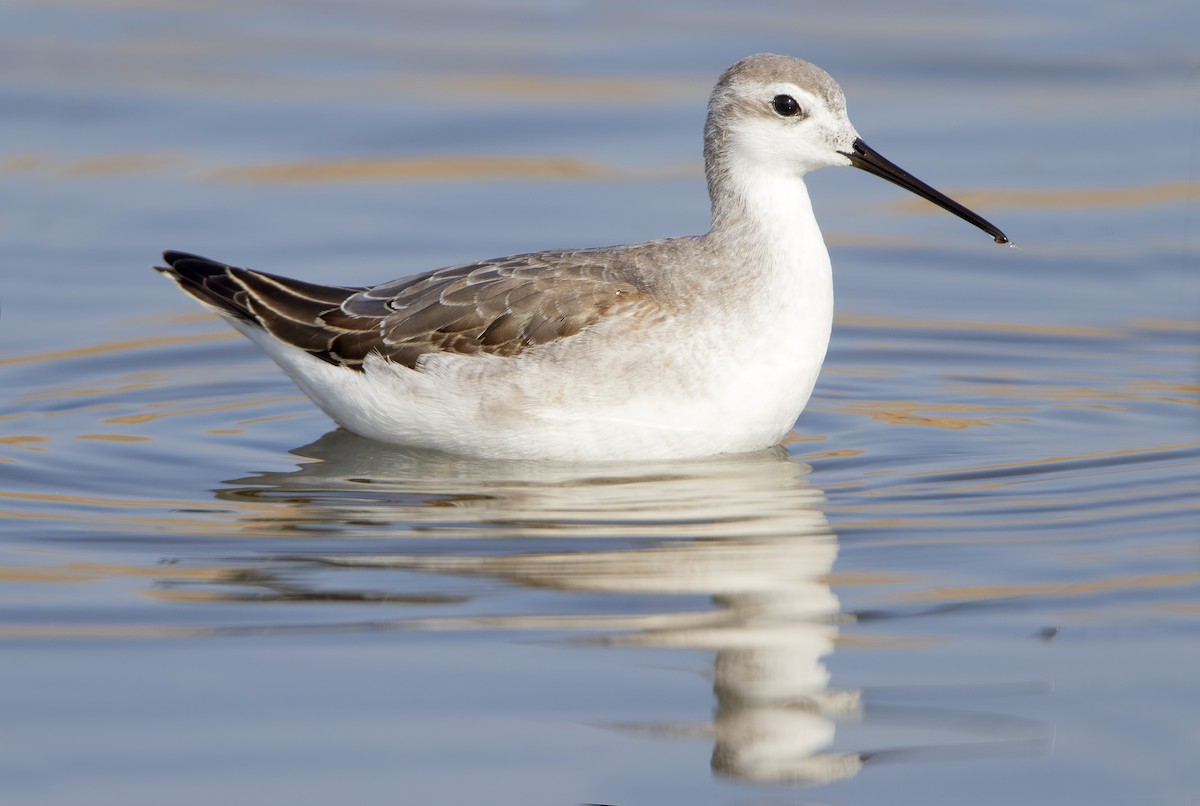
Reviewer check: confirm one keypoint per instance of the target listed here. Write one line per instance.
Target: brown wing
(497, 307)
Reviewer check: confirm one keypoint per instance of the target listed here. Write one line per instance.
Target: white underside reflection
(737, 547)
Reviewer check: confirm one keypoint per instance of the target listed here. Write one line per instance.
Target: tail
(290, 310)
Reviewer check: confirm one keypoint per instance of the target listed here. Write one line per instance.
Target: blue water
(970, 575)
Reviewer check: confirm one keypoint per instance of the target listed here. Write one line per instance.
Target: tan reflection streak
(22, 163)
(1161, 193)
(843, 453)
(1163, 386)
(114, 437)
(130, 419)
(258, 522)
(88, 572)
(983, 592)
(109, 347)
(1166, 386)
(1143, 392)
(89, 391)
(95, 501)
(792, 438)
(904, 412)
(120, 165)
(1168, 325)
(416, 170)
(272, 418)
(1068, 458)
(24, 441)
(897, 323)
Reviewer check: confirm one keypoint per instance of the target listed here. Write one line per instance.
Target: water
(971, 575)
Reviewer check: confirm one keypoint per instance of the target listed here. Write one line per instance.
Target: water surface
(971, 573)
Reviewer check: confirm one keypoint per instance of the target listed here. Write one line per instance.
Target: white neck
(765, 218)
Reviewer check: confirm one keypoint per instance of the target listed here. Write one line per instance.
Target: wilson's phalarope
(675, 348)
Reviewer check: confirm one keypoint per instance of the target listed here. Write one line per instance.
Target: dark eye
(785, 106)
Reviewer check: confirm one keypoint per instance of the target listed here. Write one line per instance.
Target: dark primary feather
(497, 307)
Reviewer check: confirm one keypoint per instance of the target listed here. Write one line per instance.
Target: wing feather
(499, 307)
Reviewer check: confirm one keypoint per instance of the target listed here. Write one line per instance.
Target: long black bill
(871, 161)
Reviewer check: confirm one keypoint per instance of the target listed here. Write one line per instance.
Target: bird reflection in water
(746, 534)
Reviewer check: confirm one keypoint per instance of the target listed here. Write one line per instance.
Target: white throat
(766, 218)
